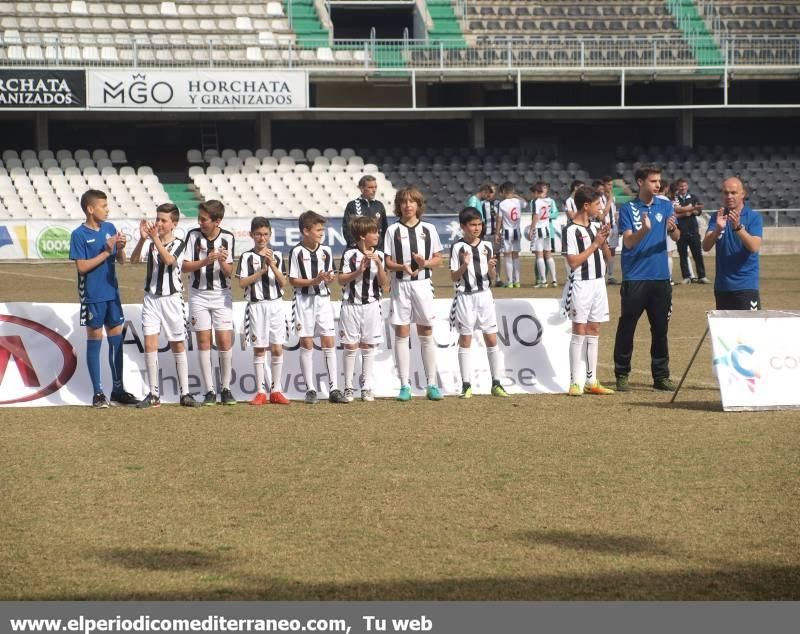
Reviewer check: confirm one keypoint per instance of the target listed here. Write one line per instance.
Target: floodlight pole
(691, 362)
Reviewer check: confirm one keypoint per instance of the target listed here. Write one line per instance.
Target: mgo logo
(44, 360)
(137, 90)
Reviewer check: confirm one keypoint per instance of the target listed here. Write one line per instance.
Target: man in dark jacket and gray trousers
(365, 205)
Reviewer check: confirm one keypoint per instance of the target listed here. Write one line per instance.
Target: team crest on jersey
(298, 327)
(659, 216)
(194, 321)
(253, 338)
(89, 316)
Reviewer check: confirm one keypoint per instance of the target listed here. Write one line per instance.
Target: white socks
(151, 360)
(551, 266)
(205, 370)
(428, 346)
(367, 361)
(258, 364)
(305, 367)
(541, 274)
(330, 364)
(225, 357)
(509, 269)
(516, 269)
(402, 359)
(349, 366)
(610, 266)
(464, 364)
(592, 347)
(495, 362)
(182, 367)
(577, 360)
(276, 367)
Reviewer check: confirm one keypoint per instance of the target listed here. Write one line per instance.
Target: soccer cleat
(311, 397)
(99, 401)
(210, 398)
(336, 396)
(498, 283)
(277, 398)
(596, 388)
(149, 401)
(510, 285)
(124, 398)
(226, 398)
(622, 383)
(348, 394)
(405, 393)
(466, 391)
(540, 285)
(686, 280)
(517, 284)
(553, 284)
(187, 400)
(575, 390)
(497, 390)
(367, 396)
(260, 399)
(664, 385)
(704, 280)
(433, 393)
(612, 281)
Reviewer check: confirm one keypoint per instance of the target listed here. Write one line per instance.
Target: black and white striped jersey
(579, 238)
(609, 219)
(160, 278)
(209, 278)
(365, 288)
(305, 264)
(402, 241)
(510, 211)
(490, 208)
(266, 287)
(476, 278)
(570, 206)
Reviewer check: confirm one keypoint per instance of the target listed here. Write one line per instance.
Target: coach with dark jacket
(687, 209)
(644, 224)
(364, 205)
(736, 231)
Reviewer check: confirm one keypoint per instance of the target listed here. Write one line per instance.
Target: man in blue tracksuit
(643, 226)
(736, 230)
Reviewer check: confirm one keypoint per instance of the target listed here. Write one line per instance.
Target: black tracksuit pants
(691, 242)
(655, 298)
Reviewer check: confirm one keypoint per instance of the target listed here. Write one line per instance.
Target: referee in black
(644, 223)
(364, 205)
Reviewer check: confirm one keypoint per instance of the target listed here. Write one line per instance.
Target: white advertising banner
(756, 357)
(196, 89)
(43, 349)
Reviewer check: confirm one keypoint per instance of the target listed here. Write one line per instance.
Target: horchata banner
(47, 89)
(756, 357)
(42, 352)
(196, 89)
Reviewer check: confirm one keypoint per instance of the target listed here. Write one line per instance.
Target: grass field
(535, 497)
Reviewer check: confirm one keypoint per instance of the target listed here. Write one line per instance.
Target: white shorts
(313, 316)
(209, 309)
(265, 323)
(164, 313)
(541, 239)
(589, 301)
(613, 238)
(475, 312)
(361, 323)
(412, 302)
(511, 245)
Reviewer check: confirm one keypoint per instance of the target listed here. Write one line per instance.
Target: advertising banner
(196, 89)
(756, 357)
(42, 352)
(13, 240)
(27, 89)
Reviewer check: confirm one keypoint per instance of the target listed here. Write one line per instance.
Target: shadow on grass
(734, 582)
(614, 544)
(161, 559)
(695, 406)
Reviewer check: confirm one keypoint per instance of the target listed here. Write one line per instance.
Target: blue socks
(93, 363)
(115, 361)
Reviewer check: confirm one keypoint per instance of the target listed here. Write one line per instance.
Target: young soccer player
(569, 209)
(542, 207)
(310, 273)
(363, 276)
(586, 299)
(260, 275)
(472, 266)
(412, 249)
(209, 262)
(163, 301)
(94, 247)
(510, 212)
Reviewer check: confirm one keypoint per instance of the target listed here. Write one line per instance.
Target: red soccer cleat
(278, 399)
(260, 399)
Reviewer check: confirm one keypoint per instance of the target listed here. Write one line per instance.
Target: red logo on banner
(13, 347)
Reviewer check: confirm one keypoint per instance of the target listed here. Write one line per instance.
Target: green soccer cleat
(622, 383)
(405, 393)
(466, 391)
(664, 385)
(596, 388)
(210, 399)
(497, 390)
(575, 390)
(433, 393)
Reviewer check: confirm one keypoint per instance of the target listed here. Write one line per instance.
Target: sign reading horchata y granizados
(756, 357)
(194, 89)
(26, 89)
(42, 348)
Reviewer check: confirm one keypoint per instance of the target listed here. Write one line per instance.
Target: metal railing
(502, 53)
